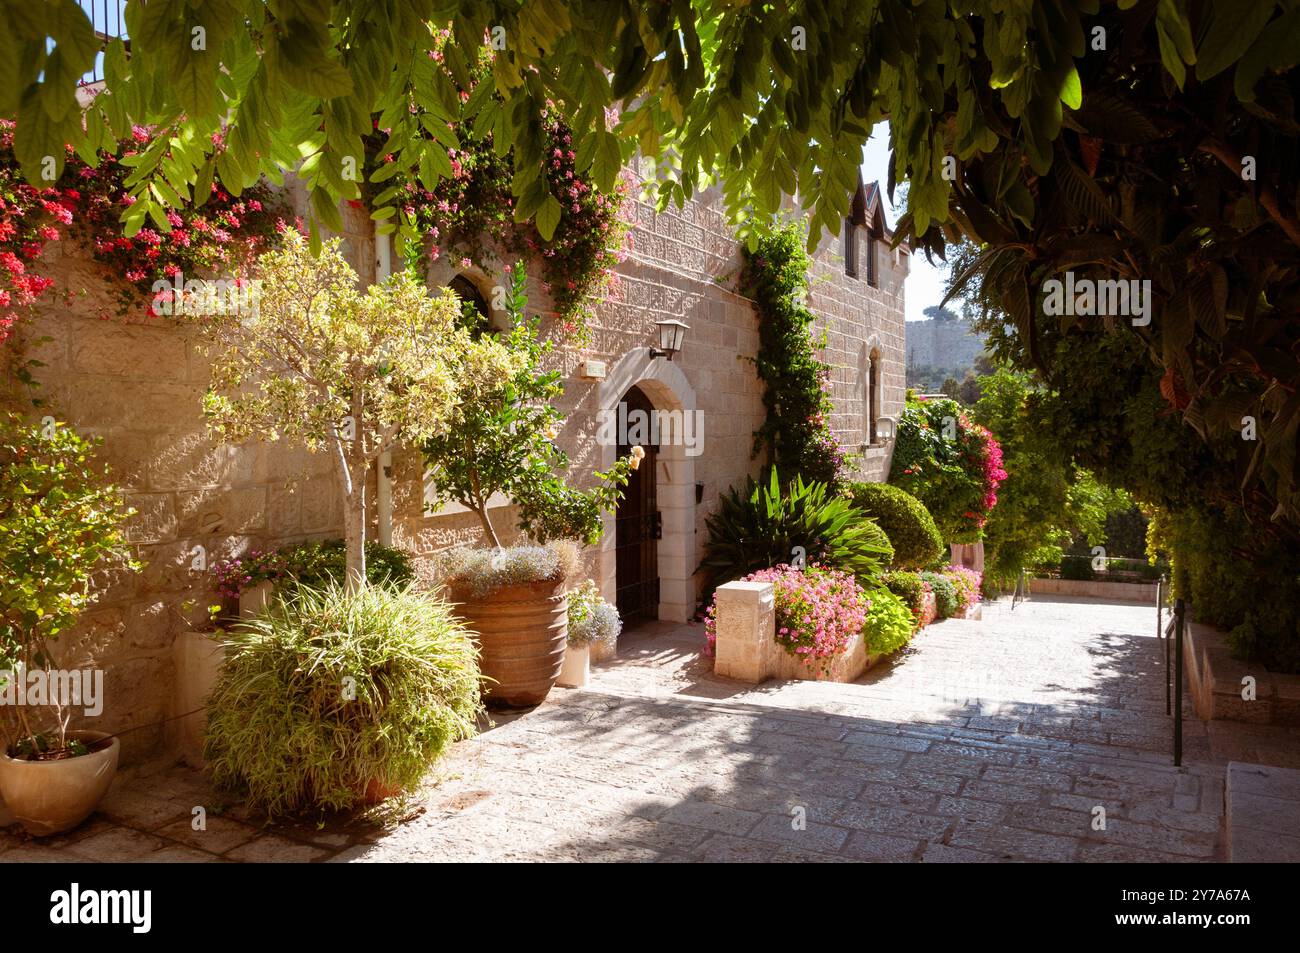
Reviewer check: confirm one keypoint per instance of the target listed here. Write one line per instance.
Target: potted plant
(516, 602)
(592, 621)
(501, 442)
(389, 365)
(59, 522)
(335, 698)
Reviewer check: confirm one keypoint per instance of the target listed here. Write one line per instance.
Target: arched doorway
(638, 524)
(670, 475)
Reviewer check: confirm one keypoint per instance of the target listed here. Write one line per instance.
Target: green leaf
(548, 217)
(1233, 27)
(1072, 90)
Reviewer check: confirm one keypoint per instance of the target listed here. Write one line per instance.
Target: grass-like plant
(329, 697)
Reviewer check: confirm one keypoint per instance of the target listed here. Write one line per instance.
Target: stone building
(139, 388)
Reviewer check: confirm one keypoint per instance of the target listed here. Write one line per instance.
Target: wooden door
(637, 528)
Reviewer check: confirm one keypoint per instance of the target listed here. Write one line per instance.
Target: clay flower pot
(522, 632)
(49, 797)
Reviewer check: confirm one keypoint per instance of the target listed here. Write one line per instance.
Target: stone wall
(139, 388)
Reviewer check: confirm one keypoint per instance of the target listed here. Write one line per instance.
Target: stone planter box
(197, 657)
(1215, 682)
(1095, 589)
(253, 601)
(747, 650)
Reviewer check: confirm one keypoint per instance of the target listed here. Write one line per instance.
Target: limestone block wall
(139, 386)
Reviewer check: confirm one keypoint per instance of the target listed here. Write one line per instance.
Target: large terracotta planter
(521, 632)
(48, 797)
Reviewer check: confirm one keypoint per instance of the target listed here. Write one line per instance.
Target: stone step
(1261, 807)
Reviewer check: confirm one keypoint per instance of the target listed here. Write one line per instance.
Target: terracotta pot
(48, 797)
(522, 632)
(577, 666)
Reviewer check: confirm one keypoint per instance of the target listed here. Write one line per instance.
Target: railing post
(1160, 632)
(1180, 623)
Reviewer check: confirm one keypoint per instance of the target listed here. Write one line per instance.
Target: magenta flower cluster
(968, 583)
(818, 611)
(238, 574)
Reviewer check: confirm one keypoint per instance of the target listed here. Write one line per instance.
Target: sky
(925, 282)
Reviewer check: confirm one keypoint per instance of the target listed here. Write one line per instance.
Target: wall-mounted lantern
(671, 332)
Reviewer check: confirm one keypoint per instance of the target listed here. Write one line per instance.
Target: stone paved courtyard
(985, 741)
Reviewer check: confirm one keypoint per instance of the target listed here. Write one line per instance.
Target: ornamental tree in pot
(501, 442)
(60, 521)
(349, 372)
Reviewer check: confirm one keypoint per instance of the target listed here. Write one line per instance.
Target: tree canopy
(1151, 140)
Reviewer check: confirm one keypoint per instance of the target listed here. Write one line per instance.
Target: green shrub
(905, 520)
(947, 602)
(327, 695)
(909, 587)
(770, 525)
(317, 563)
(1077, 567)
(889, 623)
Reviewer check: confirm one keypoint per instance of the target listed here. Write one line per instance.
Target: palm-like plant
(769, 524)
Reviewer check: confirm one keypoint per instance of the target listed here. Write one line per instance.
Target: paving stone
(713, 817)
(809, 836)
(865, 845)
(892, 820)
(220, 834)
(271, 849)
(945, 854)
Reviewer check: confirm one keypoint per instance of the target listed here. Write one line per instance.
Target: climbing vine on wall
(216, 236)
(797, 431)
(577, 232)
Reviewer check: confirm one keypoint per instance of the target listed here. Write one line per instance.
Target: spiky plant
(769, 524)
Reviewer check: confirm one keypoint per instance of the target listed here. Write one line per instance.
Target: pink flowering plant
(819, 611)
(471, 207)
(967, 583)
(950, 463)
(221, 236)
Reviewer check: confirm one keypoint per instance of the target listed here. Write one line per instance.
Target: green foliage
(949, 463)
(797, 431)
(889, 623)
(905, 520)
(60, 521)
(1046, 500)
(352, 372)
(329, 694)
(947, 603)
(771, 524)
(910, 588)
(502, 442)
(318, 563)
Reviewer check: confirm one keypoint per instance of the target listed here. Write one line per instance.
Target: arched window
(873, 395)
(473, 307)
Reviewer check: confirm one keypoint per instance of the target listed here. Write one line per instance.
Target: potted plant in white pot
(59, 522)
(501, 445)
(592, 621)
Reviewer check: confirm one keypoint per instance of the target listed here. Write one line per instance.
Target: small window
(850, 248)
(873, 397)
(474, 309)
(871, 260)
